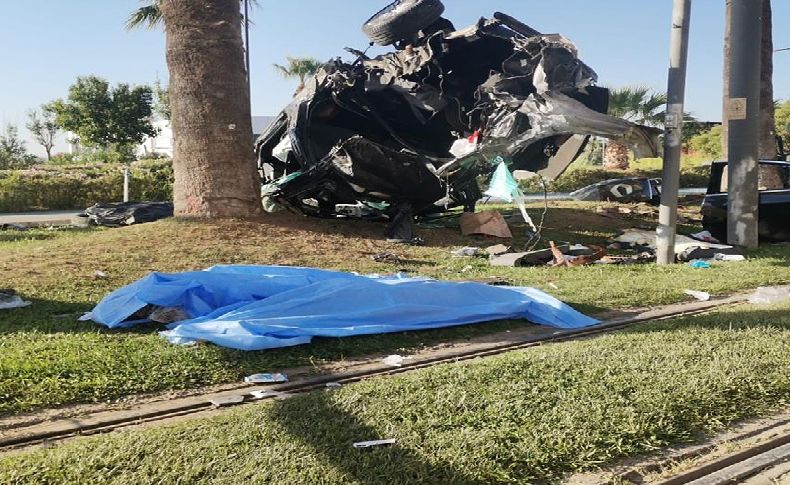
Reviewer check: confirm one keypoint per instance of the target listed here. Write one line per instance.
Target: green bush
(577, 178)
(77, 187)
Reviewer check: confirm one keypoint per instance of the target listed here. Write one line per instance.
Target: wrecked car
(774, 208)
(413, 132)
(630, 189)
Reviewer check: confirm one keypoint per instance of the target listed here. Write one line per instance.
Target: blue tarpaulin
(265, 307)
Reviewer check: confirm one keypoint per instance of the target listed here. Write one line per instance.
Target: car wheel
(402, 19)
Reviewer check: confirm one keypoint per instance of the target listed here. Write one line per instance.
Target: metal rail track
(64, 429)
(738, 466)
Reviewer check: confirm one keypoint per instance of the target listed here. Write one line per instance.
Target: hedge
(49, 187)
(577, 178)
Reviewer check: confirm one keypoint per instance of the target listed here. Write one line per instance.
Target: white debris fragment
(370, 444)
(394, 360)
(769, 295)
(699, 295)
(266, 378)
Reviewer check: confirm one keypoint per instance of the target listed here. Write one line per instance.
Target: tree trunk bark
(213, 161)
(725, 124)
(767, 119)
(615, 156)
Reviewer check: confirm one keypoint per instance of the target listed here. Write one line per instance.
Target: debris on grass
(465, 252)
(266, 378)
(225, 401)
(497, 249)
(699, 295)
(371, 444)
(700, 264)
(487, 223)
(13, 227)
(394, 360)
(9, 300)
(265, 394)
(769, 295)
(387, 257)
(100, 275)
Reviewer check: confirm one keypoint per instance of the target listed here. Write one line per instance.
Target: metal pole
(673, 131)
(126, 185)
(743, 113)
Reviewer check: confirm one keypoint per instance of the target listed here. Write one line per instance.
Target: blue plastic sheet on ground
(266, 307)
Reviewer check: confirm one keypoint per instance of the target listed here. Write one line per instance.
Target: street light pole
(673, 131)
(742, 109)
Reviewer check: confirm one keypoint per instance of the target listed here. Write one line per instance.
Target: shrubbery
(53, 187)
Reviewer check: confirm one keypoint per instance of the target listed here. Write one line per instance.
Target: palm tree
(767, 108)
(299, 68)
(213, 162)
(639, 105)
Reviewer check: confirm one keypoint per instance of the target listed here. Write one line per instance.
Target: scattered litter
(100, 275)
(265, 394)
(580, 250)
(387, 257)
(465, 252)
(9, 299)
(168, 315)
(491, 281)
(488, 223)
(729, 257)
(497, 249)
(699, 295)
(700, 264)
(227, 400)
(768, 295)
(552, 285)
(531, 258)
(394, 360)
(705, 236)
(266, 378)
(334, 385)
(370, 444)
(117, 214)
(14, 227)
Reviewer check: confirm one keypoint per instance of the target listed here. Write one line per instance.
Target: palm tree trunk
(767, 119)
(615, 156)
(213, 162)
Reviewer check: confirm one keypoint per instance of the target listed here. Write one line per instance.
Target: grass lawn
(529, 415)
(48, 359)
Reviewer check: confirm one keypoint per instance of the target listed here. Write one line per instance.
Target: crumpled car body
(372, 138)
(627, 190)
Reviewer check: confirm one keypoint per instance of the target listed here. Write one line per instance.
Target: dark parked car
(774, 208)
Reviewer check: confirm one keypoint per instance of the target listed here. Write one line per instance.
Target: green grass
(48, 359)
(530, 415)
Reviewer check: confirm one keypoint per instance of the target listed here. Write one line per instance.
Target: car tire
(402, 19)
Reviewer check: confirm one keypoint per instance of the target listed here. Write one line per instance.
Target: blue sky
(48, 43)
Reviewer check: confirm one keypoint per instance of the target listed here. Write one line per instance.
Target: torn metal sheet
(376, 134)
(488, 223)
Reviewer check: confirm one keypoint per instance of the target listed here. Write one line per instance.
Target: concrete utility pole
(742, 109)
(673, 131)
